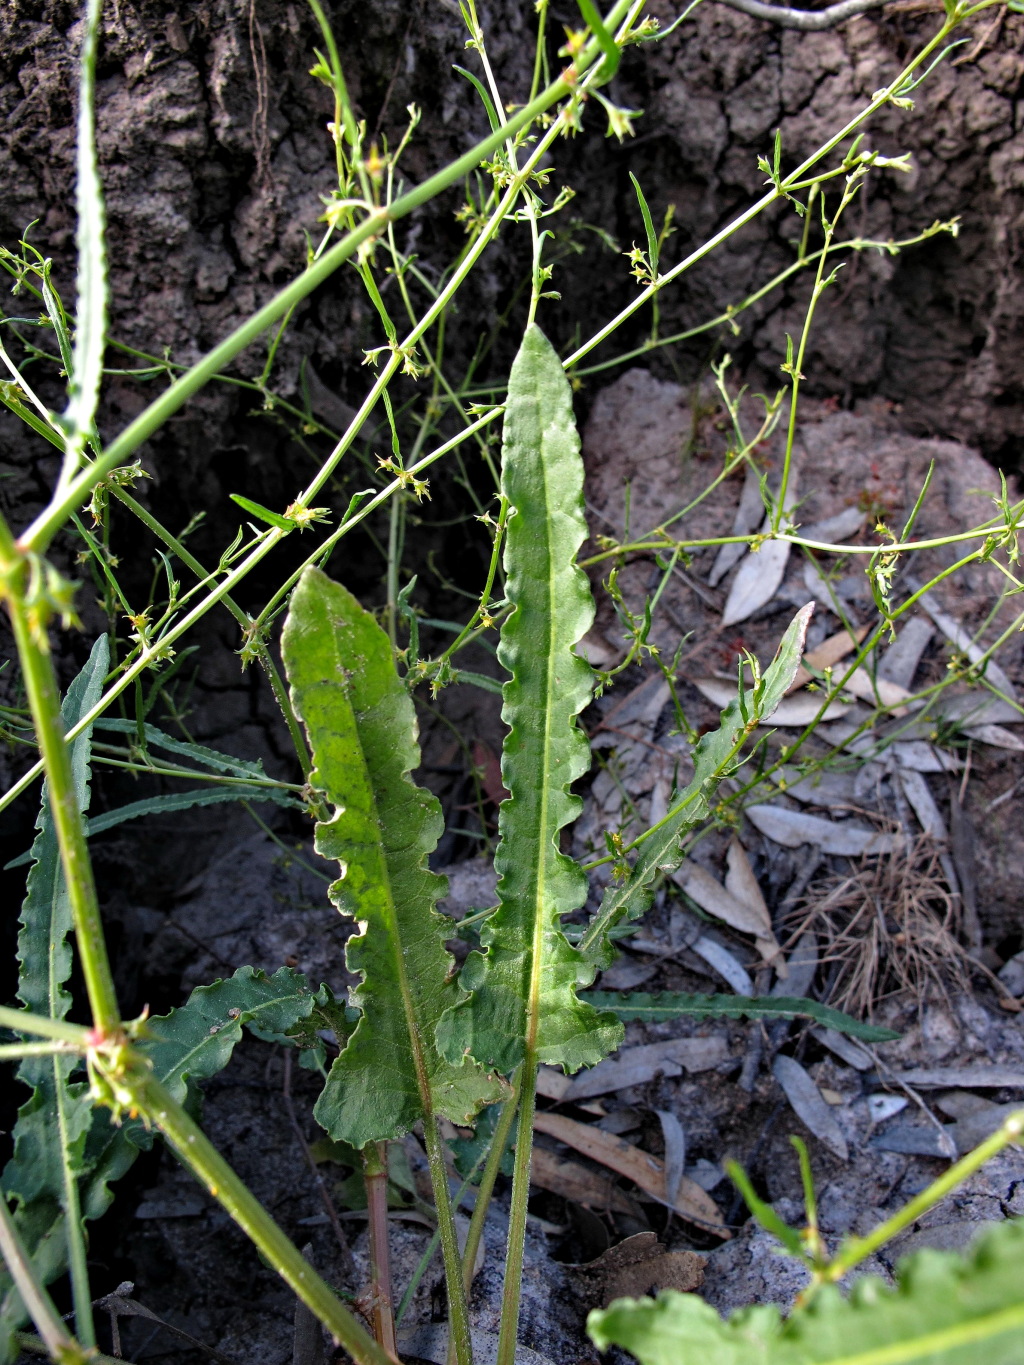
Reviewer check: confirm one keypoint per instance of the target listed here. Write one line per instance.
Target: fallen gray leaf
(899, 662)
(923, 757)
(1011, 974)
(675, 1153)
(749, 512)
(714, 899)
(882, 1107)
(919, 794)
(791, 828)
(977, 707)
(912, 1139)
(996, 736)
(757, 581)
(875, 691)
(835, 790)
(627, 974)
(801, 965)
(808, 1105)
(727, 966)
(844, 1048)
(638, 1065)
(761, 571)
(832, 529)
(798, 710)
(979, 1077)
(961, 640)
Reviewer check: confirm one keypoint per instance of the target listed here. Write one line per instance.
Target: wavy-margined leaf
(716, 755)
(212, 759)
(525, 982)
(362, 733)
(188, 1044)
(661, 1006)
(53, 1123)
(946, 1310)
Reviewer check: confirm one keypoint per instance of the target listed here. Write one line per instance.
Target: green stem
(858, 1249)
(458, 1311)
(59, 1342)
(517, 1213)
(21, 1021)
(50, 520)
(257, 644)
(499, 1142)
(81, 1292)
(33, 645)
(209, 1167)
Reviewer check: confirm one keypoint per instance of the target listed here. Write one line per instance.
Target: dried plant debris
(888, 926)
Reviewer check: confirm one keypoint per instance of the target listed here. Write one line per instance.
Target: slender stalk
(81, 1292)
(502, 1133)
(375, 1174)
(517, 1213)
(58, 1340)
(858, 1249)
(74, 1036)
(458, 1312)
(256, 642)
(210, 1169)
(29, 625)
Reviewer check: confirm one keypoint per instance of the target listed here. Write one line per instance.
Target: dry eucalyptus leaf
(582, 1184)
(749, 512)
(899, 662)
(882, 1107)
(832, 529)
(728, 967)
(640, 1265)
(827, 654)
(791, 828)
(809, 1106)
(997, 736)
(638, 1065)
(675, 1152)
(714, 899)
(923, 757)
(919, 795)
(845, 1048)
(791, 711)
(757, 580)
(743, 886)
(961, 640)
(981, 1076)
(801, 966)
(645, 1171)
(877, 691)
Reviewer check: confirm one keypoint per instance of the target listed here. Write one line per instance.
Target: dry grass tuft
(890, 927)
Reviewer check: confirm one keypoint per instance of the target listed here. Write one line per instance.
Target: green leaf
(652, 236)
(481, 90)
(605, 40)
(256, 509)
(186, 1045)
(716, 755)
(664, 1005)
(206, 758)
(525, 982)
(175, 801)
(362, 733)
(946, 1310)
(54, 1121)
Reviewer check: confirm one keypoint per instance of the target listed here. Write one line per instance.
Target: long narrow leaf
(524, 983)
(362, 733)
(717, 754)
(91, 306)
(664, 1005)
(212, 759)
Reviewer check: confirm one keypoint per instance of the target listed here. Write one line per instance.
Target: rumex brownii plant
(417, 1042)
